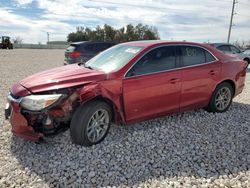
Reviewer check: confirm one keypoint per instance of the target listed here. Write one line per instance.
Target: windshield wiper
(89, 67)
(85, 66)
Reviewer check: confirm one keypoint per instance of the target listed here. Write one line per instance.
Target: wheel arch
(106, 100)
(231, 82)
(96, 91)
(116, 115)
(247, 59)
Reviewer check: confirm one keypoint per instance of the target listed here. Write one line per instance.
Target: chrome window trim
(178, 68)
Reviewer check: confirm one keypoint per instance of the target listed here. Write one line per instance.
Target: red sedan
(127, 83)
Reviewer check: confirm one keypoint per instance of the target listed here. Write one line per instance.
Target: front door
(152, 86)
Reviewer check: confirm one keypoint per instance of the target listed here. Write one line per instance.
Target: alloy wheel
(98, 125)
(223, 98)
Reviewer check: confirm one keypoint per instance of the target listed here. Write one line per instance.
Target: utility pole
(231, 21)
(47, 37)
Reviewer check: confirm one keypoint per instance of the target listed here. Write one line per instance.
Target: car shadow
(199, 144)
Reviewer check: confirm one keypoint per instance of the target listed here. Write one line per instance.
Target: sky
(190, 20)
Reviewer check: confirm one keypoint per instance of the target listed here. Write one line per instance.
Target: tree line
(109, 33)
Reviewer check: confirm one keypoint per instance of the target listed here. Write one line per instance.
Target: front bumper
(7, 111)
(18, 122)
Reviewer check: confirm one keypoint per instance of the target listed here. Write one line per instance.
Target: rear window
(100, 47)
(90, 47)
(71, 48)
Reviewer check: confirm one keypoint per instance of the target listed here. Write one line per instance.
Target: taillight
(74, 54)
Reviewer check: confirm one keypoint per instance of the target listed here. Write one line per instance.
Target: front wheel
(221, 98)
(90, 123)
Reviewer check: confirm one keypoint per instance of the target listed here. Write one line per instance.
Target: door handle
(174, 80)
(212, 72)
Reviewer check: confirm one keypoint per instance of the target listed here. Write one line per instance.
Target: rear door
(200, 74)
(152, 86)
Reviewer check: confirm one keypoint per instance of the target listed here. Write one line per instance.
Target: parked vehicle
(247, 52)
(231, 49)
(128, 83)
(84, 51)
(6, 43)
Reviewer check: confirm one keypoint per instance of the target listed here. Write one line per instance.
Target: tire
(87, 122)
(215, 104)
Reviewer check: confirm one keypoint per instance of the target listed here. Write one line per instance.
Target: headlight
(39, 102)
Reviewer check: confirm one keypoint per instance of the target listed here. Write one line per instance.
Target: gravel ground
(192, 149)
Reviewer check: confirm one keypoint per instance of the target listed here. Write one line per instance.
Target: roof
(85, 42)
(77, 43)
(148, 43)
(219, 44)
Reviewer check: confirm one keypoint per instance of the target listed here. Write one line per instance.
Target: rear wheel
(221, 98)
(90, 123)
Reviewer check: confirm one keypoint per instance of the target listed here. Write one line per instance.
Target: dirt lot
(193, 149)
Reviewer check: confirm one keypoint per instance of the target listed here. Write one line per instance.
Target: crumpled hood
(61, 77)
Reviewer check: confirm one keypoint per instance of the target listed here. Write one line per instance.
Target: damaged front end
(36, 115)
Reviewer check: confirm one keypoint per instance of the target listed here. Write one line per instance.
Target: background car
(247, 52)
(84, 51)
(231, 49)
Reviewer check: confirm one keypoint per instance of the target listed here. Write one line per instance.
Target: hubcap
(223, 98)
(98, 125)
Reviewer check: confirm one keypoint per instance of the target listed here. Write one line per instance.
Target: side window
(234, 49)
(160, 59)
(192, 56)
(209, 57)
(224, 48)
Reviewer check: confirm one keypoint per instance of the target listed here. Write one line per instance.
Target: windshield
(114, 58)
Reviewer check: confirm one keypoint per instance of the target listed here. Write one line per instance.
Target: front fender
(97, 90)
(89, 92)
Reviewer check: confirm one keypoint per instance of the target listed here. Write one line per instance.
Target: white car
(247, 52)
(231, 49)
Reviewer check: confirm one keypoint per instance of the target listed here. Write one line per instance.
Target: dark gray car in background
(231, 49)
(85, 50)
